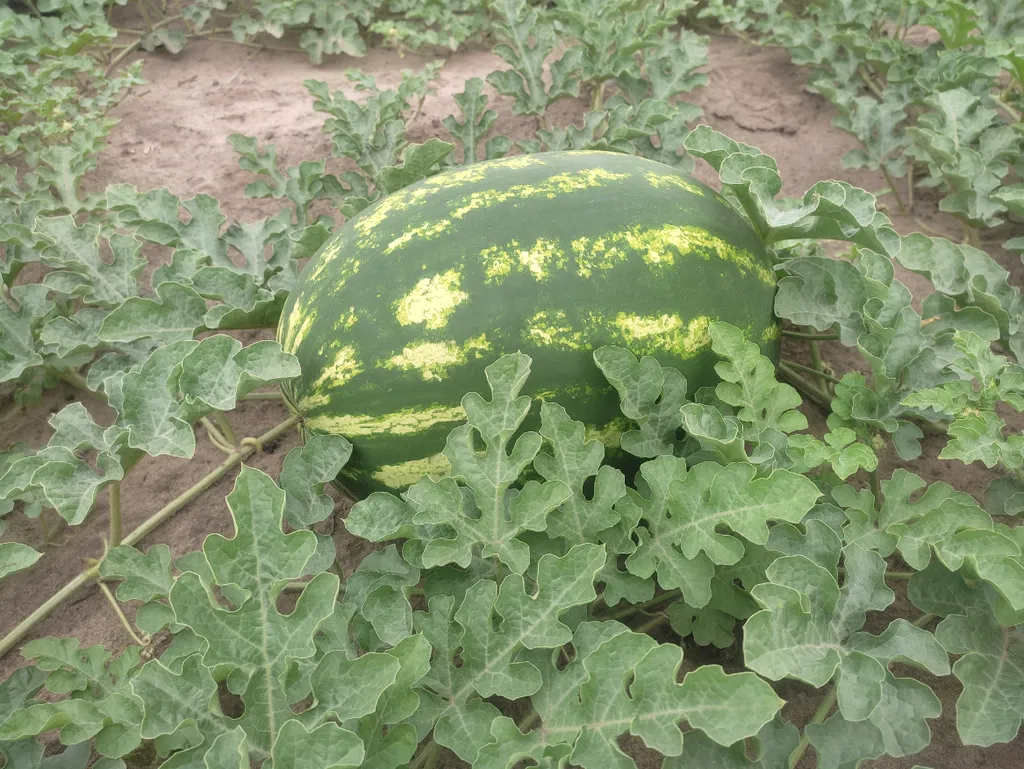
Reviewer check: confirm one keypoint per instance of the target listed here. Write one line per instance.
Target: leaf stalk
(215, 436)
(120, 614)
(227, 431)
(810, 337)
(817, 372)
(114, 503)
(819, 715)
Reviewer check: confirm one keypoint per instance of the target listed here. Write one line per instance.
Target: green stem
(215, 436)
(427, 758)
(819, 370)
(810, 337)
(114, 502)
(76, 380)
(892, 188)
(24, 627)
(225, 427)
(876, 487)
(647, 627)
(819, 715)
(531, 718)
(598, 102)
(806, 388)
(634, 608)
(899, 21)
(888, 575)
(872, 85)
(271, 396)
(141, 5)
(238, 456)
(44, 527)
(127, 51)
(1014, 114)
(910, 188)
(812, 370)
(928, 229)
(44, 611)
(120, 615)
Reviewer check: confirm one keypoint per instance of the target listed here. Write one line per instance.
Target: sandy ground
(173, 132)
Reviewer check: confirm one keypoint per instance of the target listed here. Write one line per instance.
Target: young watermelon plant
(943, 115)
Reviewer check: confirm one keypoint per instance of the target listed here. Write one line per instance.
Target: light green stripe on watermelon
(560, 184)
(656, 179)
(407, 473)
(431, 301)
(433, 359)
(643, 334)
(399, 423)
(771, 333)
(344, 367)
(610, 435)
(402, 201)
(658, 247)
(553, 255)
(668, 333)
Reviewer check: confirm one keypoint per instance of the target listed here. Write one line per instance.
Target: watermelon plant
(561, 579)
(485, 634)
(943, 115)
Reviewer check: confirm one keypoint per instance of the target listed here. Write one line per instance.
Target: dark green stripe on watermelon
(554, 254)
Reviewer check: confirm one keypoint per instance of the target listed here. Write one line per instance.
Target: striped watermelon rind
(552, 254)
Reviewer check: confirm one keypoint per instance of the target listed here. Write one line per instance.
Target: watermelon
(554, 254)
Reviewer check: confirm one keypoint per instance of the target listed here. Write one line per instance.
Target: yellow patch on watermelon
(552, 329)
(646, 334)
(321, 281)
(422, 232)
(658, 246)
(344, 367)
(597, 254)
(671, 180)
(498, 261)
(409, 422)
(408, 473)
(432, 301)
(345, 321)
(433, 359)
(559, 184)
(771, 333)
(300, 320)
(393, 203)
(610, 435)
(478, 171)
(538, 260)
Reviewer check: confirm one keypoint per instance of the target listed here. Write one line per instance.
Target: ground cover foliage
(512, 610)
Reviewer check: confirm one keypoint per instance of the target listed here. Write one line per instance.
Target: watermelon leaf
(477, 120)
(529, 42)
(648, 394)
